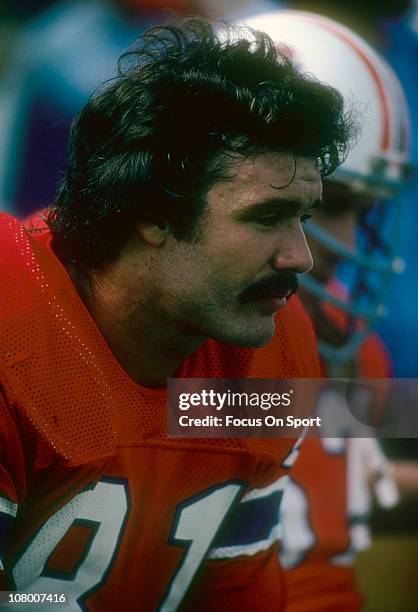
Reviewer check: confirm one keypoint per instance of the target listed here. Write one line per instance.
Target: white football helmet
(377, 165)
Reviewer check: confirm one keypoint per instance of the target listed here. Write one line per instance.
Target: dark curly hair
(150, 144)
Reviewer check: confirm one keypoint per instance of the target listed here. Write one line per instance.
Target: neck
(147, 345)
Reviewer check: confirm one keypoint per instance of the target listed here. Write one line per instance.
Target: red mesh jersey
(321, 518)
(95, 501)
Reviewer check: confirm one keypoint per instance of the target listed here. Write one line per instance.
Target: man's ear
(154, 234)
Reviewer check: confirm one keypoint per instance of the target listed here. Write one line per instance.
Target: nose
(293, 254)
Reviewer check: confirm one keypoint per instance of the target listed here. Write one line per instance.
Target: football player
(171, 250)
(324, 518)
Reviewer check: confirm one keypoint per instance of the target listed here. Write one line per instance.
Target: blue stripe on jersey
(252, 522)
(8, 511)
(5, 525)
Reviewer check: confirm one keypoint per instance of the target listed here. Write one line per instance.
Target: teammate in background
(388, 26)
(324, 520)
(174, 240)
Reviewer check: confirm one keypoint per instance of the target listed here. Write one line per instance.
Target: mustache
(279, 285)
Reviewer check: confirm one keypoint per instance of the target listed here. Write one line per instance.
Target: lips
(273, 303)
(277, 288)
(282, 296)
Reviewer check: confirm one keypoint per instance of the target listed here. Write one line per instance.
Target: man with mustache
(172, 245)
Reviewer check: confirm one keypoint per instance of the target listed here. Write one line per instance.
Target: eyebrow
(288, 206)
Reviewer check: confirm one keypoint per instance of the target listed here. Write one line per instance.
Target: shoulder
(24, 258)
(30, 278)
(51, 356)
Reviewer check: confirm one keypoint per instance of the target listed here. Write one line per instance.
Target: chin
(254, 336)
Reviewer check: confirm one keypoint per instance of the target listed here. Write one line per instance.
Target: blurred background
(54, 53)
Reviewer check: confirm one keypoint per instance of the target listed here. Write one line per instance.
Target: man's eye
(269, 221)
(272, 220)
